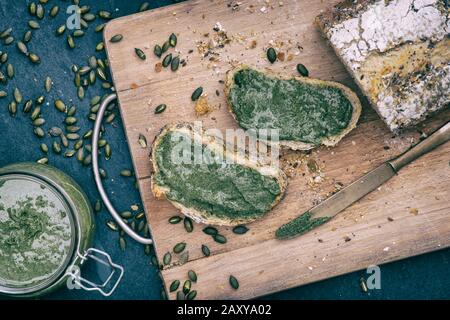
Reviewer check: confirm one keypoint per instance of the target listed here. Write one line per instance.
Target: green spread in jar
(35, 232)
(301, 111)
(222, 188)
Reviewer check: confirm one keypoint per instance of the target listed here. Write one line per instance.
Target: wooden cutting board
(409, 215)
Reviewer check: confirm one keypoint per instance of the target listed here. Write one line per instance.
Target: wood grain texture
(261, 263)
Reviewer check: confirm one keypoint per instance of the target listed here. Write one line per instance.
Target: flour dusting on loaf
(398, 51)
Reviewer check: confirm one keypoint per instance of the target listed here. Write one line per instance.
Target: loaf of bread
(398, 51)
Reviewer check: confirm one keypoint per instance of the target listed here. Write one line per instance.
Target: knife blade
(330, 207)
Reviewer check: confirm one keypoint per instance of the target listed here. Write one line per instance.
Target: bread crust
(216, 143)
(298, 145)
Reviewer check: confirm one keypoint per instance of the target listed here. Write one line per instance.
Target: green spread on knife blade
(300, 225)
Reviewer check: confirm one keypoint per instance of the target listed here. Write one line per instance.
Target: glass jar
(46, 229)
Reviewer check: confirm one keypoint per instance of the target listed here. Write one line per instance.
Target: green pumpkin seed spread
(222, 188)
(301, 111)
(35, 233)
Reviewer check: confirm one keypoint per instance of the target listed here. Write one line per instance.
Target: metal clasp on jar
(100, 257)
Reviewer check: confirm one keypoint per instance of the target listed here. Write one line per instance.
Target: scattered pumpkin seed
(56, 147)
(17, 95)
(175, 219)
(44, 148)
(87, 160)
(191, 295)
(167, 60)
(34, 58)
(78, 33)
(165, 47)
(22, 47)
(8, 40)
(39, 132)
(40, 100)
(73, 136)
(112, 225)
(175, 64)
(167, 258)
(180, 295)
(100, 46)
(197, 93)
(61, 30)
(192, 275)
(188, 225)
(36, 113)
(32, 8)
(140, 53)
(69, 153)
(157, 50)
(271, 55)
(144, 6)
(3, 94)
(10, 71)
(70, 120)
(43, 160)
(60, 106)
(33, 24)
(126, 173)
(89, 17)
(64, 140)
(122, 243)
(12, 108)
(174, 285)
(126, 214)
(173, 40)
(80, 93)
(160, 109)
(98, 205)
(88, 134)
(104, 14)
(39, 122)
(234, 283)
(27, 36)
(54, 11)
(220, 238)
(363, 285)
(302, 70)
(240, 229)
(205, 250)
(55, 131)
(101, 74)
(100, 27)
(179, 247)
(116, 38)
(108, 152)
(211, 231)
(142, 141)
(187, 286)
(70, 42)
(40, 11)
(48, 84)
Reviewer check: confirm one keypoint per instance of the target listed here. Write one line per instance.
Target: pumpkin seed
(27, 36)
(175, 219)
(43, 160)
(38, 122)
(60, 105)
(187, 286)
(126, 173)
(83, 70)
(5, 33)
(87, 160)
(80, 93)
(17, 95)
(211, 231)
(167, 258)
(12, 108)
(64, 140)
(48, 84)
(140, 215)
(174, 285)
(100, 46)
(175, 64)
(56, 147)
(192, 275)
(88, 17)
(220, 238)
(80, 155)
(101, 74)
(73, 136)
(98, 205)
(33, 24)
(100, 27)
(205, 250)
(271, 55)
(40, 11)
(167, 60)
(69, 153)
(234, 283)
(197, 93)
(363, 285)
(126, 214)
(107, 152)
(302, 70)
(122, 243)
(70, 42)
(191, 295)
(55, 131)
(240, 229)
(110, 118)
(39, 132)
(116, 38)
(179, 247)
(71, 111)
(165, 47)
(112, 225)
(4, 57)
(173, 40)
(10, 71)
(102, 143)
(32, 8)
(88, 134)
(44, 148)
(36, 113)
(83, 24)
(180, 295)
(8, 40)
(188, 225)
(61, 30)
(147, 249)
(144, 6)
(160, 109)
(54, 11)
(104, 14)
(70, 120)
(22, 47)
(34, 58)
(140, 53)
(142, 141)
(157, 50)
(78, 33)
(40, 100)
(3, 78)
(92, 77)
(84, 9)
(3, 94)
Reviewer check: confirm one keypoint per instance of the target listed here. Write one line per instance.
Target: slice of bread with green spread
(307, 112)
(210, 183)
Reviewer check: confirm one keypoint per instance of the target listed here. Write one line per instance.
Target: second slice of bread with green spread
(307, 112)
(222, 188)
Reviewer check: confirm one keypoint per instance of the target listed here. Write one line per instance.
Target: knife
(330, 207)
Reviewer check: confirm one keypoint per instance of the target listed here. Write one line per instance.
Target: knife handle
(439, 137)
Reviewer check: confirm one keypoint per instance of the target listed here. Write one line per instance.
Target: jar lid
(37, 234)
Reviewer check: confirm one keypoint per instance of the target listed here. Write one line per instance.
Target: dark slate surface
(422, 277)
